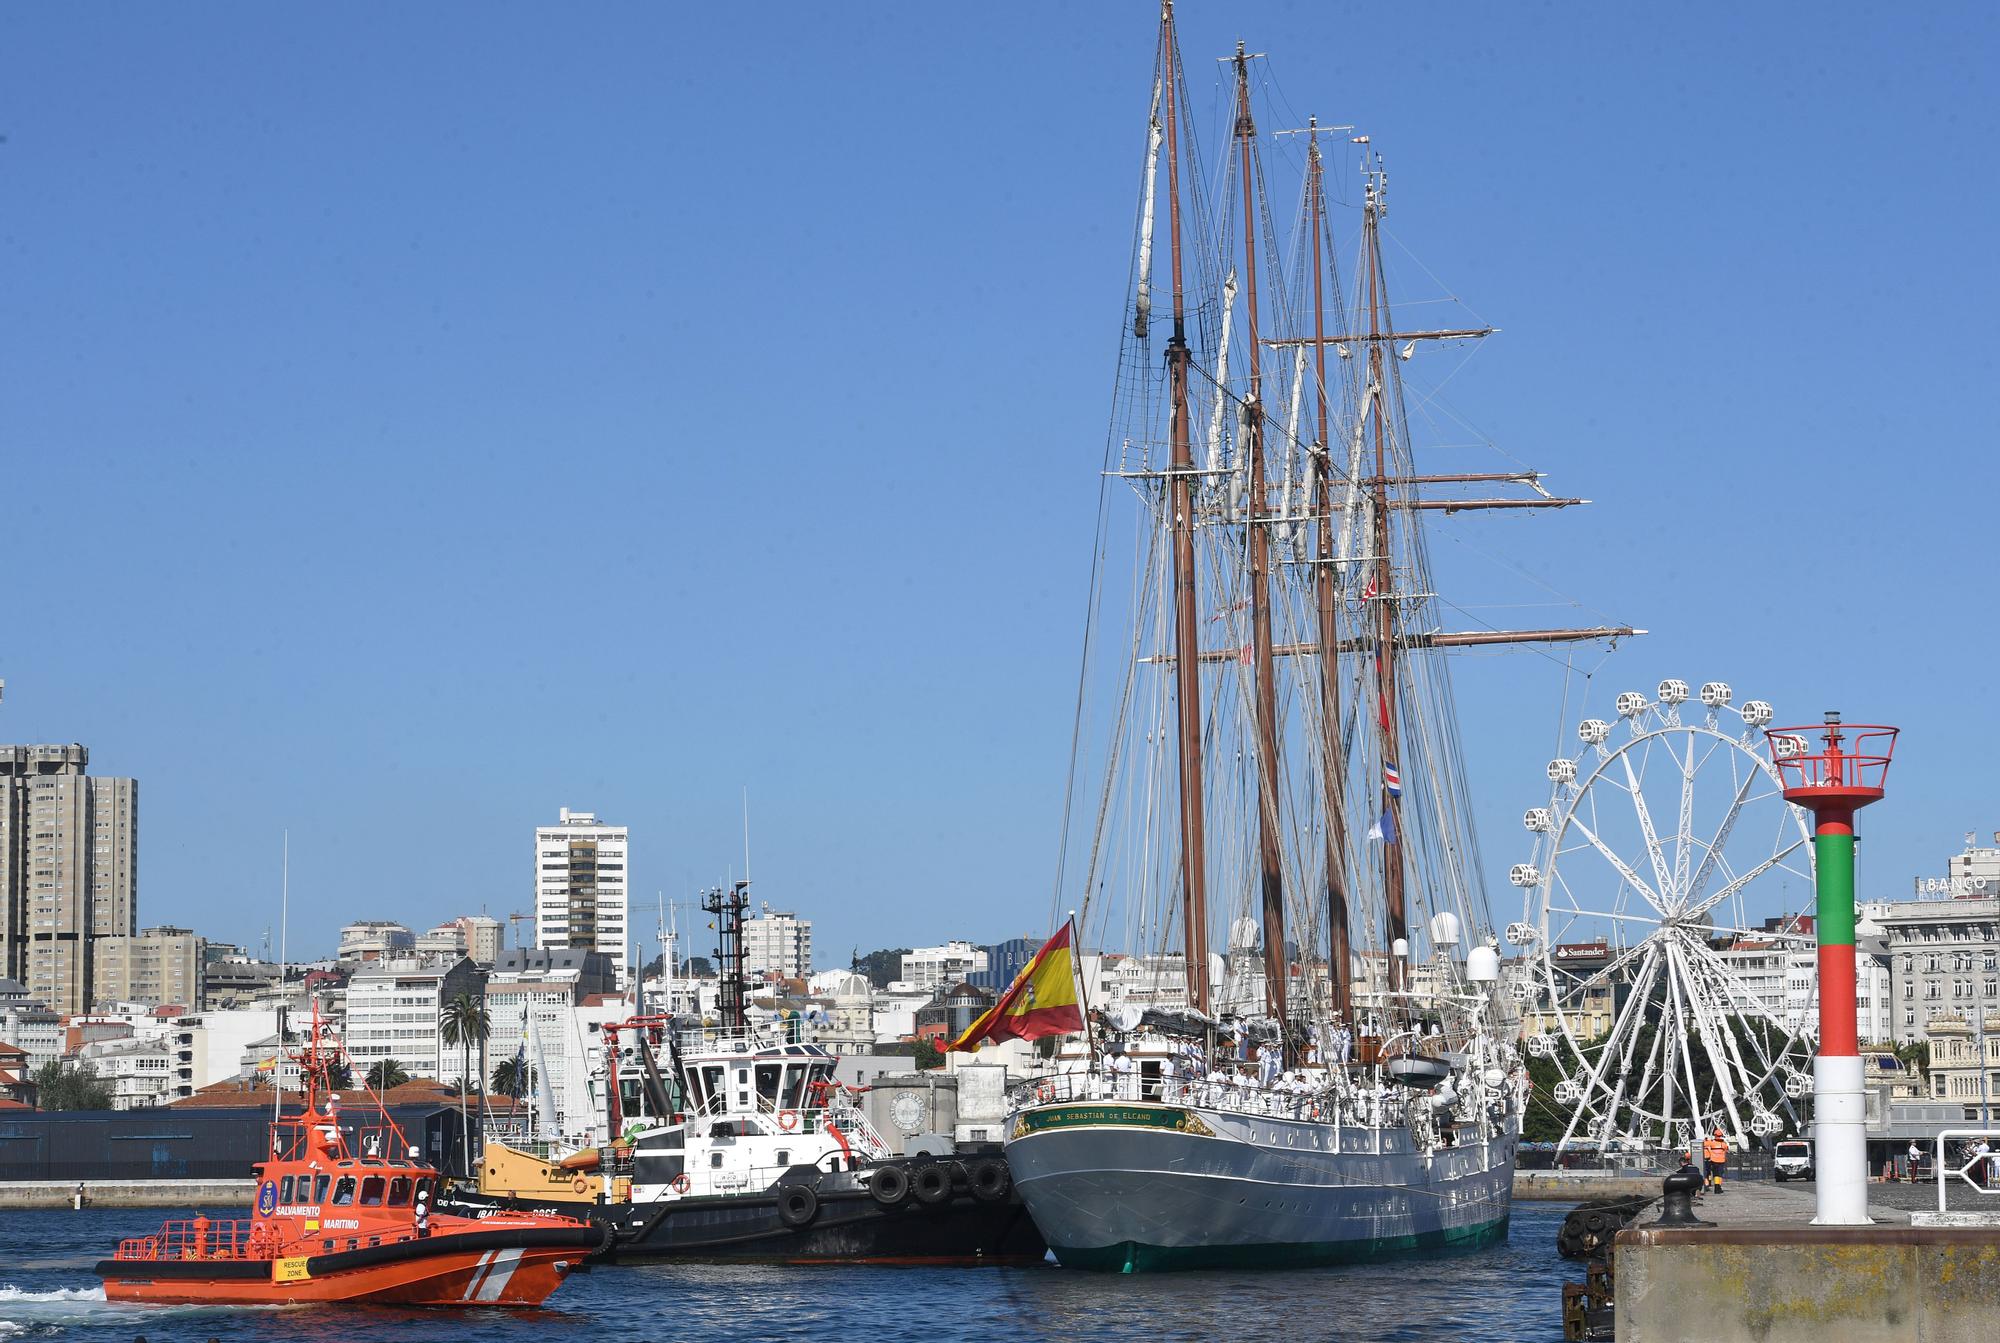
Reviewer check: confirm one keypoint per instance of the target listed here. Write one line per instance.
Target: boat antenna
(284, 933)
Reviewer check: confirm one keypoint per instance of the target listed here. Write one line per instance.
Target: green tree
(386, 1073)
(927, 1055)
(75, 1087)
(464, 1023)
(881, 966)
(692, 966)
(510, 1078)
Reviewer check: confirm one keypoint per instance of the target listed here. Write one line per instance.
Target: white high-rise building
(581, 887)
(942, 967)
(780, 944)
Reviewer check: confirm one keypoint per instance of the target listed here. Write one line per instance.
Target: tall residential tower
(580, 887)
(69, 856)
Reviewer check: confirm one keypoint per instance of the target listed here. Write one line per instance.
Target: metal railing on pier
(1977, 1169)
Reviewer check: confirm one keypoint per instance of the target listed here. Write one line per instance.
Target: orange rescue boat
(340, 1218)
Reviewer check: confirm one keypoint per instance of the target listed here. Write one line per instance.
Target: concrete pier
(130, 1193)
(1582, 1186)
(1763, 1274)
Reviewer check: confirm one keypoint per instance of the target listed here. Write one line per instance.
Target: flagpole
(1082, 994)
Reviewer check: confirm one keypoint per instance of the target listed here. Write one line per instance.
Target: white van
(1793, 1160)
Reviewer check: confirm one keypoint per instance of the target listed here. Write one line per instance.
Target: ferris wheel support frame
(1644, 1080)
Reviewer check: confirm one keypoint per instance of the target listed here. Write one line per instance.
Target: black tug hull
(851, 1228)
(848, 1228)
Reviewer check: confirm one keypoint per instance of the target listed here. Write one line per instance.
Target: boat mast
(1257, 524)
(1187, 647)
(1383, 589)
(1325, 590)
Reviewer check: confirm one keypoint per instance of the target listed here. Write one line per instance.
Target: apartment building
(155, 966)
(936, 967)
(777, 943)
(395, 1010)
(582, 887)
(69, 854)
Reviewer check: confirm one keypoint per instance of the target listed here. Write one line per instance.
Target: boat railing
(1278, 1102)
(725, 1039)
(196, 1238)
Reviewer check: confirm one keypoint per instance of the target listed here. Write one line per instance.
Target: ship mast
(1383, 589)
(1180, 493)
(1257, 524)
(1326, 595)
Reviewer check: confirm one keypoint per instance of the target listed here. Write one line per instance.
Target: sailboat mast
(1270, 865)
(1339, 959)
(1187, 647)
(1384, 596)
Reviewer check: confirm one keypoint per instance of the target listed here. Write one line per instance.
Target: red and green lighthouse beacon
(1834, 777)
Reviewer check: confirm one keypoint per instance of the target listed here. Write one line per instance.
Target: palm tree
(386, 1073)
(464, 1023)
(510, 1078)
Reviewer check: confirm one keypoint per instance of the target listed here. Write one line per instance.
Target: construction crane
(515, 933)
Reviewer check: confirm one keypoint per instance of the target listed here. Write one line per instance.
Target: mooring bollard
(1677, 1202)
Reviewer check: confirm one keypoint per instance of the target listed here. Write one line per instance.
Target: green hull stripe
(1834, 864)
(1132, 1257)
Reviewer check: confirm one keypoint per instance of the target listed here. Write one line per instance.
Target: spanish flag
(1042, 1000)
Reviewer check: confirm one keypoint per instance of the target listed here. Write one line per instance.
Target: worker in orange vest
(1715, 1152)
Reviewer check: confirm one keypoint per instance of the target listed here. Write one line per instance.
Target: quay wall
(129, 1193)
(1582, 1186)
(1806, 1284)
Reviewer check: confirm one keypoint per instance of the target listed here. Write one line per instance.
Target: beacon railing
(1978, 1169)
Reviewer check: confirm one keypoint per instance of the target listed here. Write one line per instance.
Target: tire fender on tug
(931, 1182)
(990, 1180)
(798, 1204)
(889, 1185)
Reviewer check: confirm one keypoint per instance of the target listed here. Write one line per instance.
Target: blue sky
(414, 421)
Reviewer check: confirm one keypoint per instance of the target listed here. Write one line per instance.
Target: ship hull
(1136, 1188)
(849, 1228)
(497, 1268)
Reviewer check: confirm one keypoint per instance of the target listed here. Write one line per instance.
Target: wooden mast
(1187, 670)
(1269, 860)
(1326, 594)
(1383, 594)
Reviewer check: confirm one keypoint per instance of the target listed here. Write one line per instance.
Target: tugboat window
(767, 1082)
(319, 1187)
(343, 1193)
(371, 1192)
(399, 1191)
(285, 1190)
(715, 1160)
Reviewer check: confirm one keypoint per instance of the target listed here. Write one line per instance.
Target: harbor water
(1508, 1292)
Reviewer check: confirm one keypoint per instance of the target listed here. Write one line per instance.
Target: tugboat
(335, 1224)
(727, 1141)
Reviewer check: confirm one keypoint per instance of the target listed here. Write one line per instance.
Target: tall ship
(1268, 746)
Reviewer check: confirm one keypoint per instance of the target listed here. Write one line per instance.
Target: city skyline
(305, 375)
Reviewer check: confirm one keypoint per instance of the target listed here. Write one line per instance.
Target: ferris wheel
(1666, 973)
